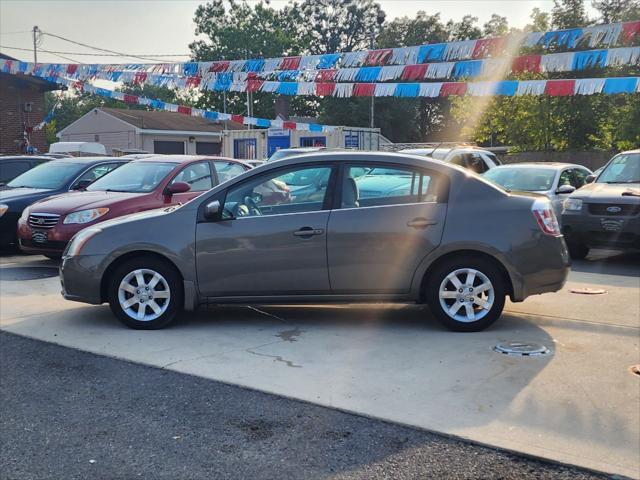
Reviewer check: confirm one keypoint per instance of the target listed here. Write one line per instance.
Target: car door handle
(308, 232)
(421, 223)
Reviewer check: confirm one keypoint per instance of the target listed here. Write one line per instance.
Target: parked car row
(45, 206)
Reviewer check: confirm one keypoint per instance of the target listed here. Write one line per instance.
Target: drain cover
(588, 291)
(635, 369)
(521, 349)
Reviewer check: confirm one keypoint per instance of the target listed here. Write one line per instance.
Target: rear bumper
(542, 268)
(588, 230)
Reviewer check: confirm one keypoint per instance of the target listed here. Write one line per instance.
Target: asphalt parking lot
(576, 405)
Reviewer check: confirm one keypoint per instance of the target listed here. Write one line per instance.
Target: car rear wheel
(577, 251)
(466, 294)
(145, 293)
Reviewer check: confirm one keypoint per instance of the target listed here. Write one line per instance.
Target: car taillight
(545, 217)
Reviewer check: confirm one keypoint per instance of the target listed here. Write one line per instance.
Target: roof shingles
(157, 120)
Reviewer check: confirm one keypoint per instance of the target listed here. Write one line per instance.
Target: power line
(93, 54)
(148, 57)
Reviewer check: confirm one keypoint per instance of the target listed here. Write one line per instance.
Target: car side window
(565, 178)
(373, 185)
(96, 172)
(294, 190)
(580, 177)
(458, 160)
(198, 175)
(476, 163)
(228, 170)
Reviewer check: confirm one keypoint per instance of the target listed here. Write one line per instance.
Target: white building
(152, 131)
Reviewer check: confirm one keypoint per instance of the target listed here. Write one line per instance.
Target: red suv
(155, 182)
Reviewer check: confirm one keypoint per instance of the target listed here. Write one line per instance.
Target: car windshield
(528, 179)
(48, 176)
(624, 168)
(134, 177)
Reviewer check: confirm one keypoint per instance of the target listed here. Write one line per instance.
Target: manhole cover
(521, 349)
(12, 274)
(588, 291)
(635, 369)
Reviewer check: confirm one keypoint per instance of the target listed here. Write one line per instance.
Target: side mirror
(212, 210)
(177, 187)
(566, 189)
(81, 185)
(590, 178)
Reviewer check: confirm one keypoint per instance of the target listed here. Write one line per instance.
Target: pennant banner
(252, 81)
(607, 35)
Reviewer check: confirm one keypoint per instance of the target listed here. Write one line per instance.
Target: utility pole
(372, 39)
(35, 46)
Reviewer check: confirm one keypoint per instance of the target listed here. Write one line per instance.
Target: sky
(166, 26)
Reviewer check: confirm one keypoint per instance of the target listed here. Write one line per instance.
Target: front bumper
(80, 278)
(51, 241)
(602, 231)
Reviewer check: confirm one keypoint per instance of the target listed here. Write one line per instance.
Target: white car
(473, 158)
(555, 180)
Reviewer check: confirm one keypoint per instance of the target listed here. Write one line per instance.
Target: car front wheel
(145, 293)
(466, 294)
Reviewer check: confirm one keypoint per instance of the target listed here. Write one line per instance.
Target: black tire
(487, 268)
(173, 282)
(577, 251)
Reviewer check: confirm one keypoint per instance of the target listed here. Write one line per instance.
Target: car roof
(363, 156)
(88, 160)
(637, 150)
(549, 165)
(181, 158)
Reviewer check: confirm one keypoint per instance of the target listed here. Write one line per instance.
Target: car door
(268, 244)
(388, 220)
(565, 178)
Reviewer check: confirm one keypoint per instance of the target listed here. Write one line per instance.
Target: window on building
(167, 148)
(245, 149)
(208, 148)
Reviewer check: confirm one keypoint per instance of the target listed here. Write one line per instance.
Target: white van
(78, 149)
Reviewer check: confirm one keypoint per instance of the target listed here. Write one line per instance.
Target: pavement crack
(262, 312)
(276, 358)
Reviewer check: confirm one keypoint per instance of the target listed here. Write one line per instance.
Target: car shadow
(609, 262)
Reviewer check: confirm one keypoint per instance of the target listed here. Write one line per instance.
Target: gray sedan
(554, 180)
(425, 237)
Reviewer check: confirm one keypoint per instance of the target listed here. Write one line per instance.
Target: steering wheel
(254, 210)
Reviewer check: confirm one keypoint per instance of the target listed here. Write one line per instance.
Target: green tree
(540, 21)
(569, 14)
(340, 25)
(465, 29)
(496, 26)
(617, 10)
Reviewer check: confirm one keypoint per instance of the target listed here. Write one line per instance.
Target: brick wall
(13, 95)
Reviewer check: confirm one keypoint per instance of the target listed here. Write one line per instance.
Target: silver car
(426, 232)
(554, 180)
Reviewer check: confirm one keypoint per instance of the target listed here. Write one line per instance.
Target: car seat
(350, 193)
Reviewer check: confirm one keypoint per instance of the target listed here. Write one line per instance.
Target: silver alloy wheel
(468, 290)
(144, 294)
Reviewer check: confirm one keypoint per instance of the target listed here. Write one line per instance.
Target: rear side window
(373, 185)
(228, 170)
(198, 175)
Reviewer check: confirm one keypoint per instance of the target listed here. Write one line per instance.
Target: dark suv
(606, 212)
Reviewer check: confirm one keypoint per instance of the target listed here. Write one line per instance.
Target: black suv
(605, 212)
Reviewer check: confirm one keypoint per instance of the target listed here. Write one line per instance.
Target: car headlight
(3, 208)
(79, 240)
(85, 216)
(572, 205)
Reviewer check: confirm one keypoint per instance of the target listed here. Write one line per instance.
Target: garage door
(208, 148)
(162, 146)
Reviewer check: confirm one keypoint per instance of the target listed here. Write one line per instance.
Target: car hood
(609, 192)
(11, 193)
(75, 201)
(133, 217)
